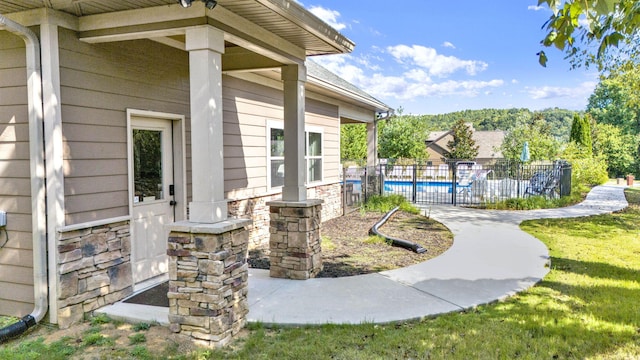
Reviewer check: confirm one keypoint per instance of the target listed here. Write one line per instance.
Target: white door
(152, 170)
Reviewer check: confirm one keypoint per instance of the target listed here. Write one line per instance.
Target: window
(312, 152)
(276, 155)
(313, 156)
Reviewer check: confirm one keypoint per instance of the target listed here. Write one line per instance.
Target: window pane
(277, 142)
(315, 144)
(277, 173)
(147, 164)
(315, 170)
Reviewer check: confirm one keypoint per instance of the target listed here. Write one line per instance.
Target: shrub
(388, 202)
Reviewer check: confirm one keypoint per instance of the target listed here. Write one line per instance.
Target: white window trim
(272, 124)
(275, 124)
(317, 130)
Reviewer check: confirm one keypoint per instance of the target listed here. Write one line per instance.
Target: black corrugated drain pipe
(395, 242)
(17, 328)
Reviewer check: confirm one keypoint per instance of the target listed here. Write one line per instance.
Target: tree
(609, 23)
(403, 137)
(462, 146)
(353, 142)
(618, 149)
(542, 144)
(616, 99)
(581, 134)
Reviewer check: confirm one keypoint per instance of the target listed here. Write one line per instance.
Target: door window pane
(147, 165)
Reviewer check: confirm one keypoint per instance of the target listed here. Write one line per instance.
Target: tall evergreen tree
(462, 146)
(581, 133)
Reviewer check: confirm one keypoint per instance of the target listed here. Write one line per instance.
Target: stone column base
(208, 276)
(295, 239)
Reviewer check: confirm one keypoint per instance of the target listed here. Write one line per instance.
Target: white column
(294, 77)
(206, 46)
(54, 149)
(372, 144)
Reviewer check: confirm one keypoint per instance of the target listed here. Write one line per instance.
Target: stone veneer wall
(94, 270)
(257, 210)
(208, 280)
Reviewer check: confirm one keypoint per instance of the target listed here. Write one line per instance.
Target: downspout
(38, 190)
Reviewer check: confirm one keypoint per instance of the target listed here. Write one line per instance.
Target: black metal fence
(457, 182)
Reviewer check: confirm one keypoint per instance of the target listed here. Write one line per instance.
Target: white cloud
(553, 92)
(535, 7)
(436, 64)
(448, 44)
(410, 85)
(515, 81)
(329, 16)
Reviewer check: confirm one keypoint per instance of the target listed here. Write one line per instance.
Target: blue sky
(435, 56)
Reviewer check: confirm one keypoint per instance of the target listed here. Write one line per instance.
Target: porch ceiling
(284, 18)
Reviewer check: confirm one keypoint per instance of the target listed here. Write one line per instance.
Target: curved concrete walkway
(491, 258)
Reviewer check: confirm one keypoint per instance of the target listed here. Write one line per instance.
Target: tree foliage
(542, 144)
(615, 107)
(618, 149)
(403, 136)
(588, 30)
(462, 146)
(559, 120)
(353, 142)
(581, 133)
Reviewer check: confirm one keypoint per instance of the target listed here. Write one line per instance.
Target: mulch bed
(348, 250)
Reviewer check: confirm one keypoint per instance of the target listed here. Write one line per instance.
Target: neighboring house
(151, 113)
(488, 142)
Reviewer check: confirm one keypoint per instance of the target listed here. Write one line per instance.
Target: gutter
(37, 170)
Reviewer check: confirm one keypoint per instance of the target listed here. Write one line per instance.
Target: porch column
(372, 144)
(294, 77)
(206, 46)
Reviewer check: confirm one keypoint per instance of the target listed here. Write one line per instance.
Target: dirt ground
(348, 249)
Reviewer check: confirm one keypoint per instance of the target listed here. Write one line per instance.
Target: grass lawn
(588, 306)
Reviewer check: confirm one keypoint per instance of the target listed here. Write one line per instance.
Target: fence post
(415, 182)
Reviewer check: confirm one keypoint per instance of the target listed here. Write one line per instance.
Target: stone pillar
(295, 251)
(208, 276)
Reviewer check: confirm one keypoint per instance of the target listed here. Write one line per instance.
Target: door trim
(179, 160)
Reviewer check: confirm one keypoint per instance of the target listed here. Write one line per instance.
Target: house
(120, 117)
(488, 142)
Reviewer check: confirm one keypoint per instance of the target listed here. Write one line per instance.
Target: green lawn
(587, 307)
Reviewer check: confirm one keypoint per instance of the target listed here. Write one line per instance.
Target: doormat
(156, 296)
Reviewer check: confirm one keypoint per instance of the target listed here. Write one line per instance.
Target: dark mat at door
(156, 296)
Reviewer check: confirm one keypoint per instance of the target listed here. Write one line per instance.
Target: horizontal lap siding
(326, 116)
(98, 83)
(247, 109)
(16, 257)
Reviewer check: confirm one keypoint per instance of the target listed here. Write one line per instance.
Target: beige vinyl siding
(248, 107)
(16, 258)
(326, 116)
(98, 83)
